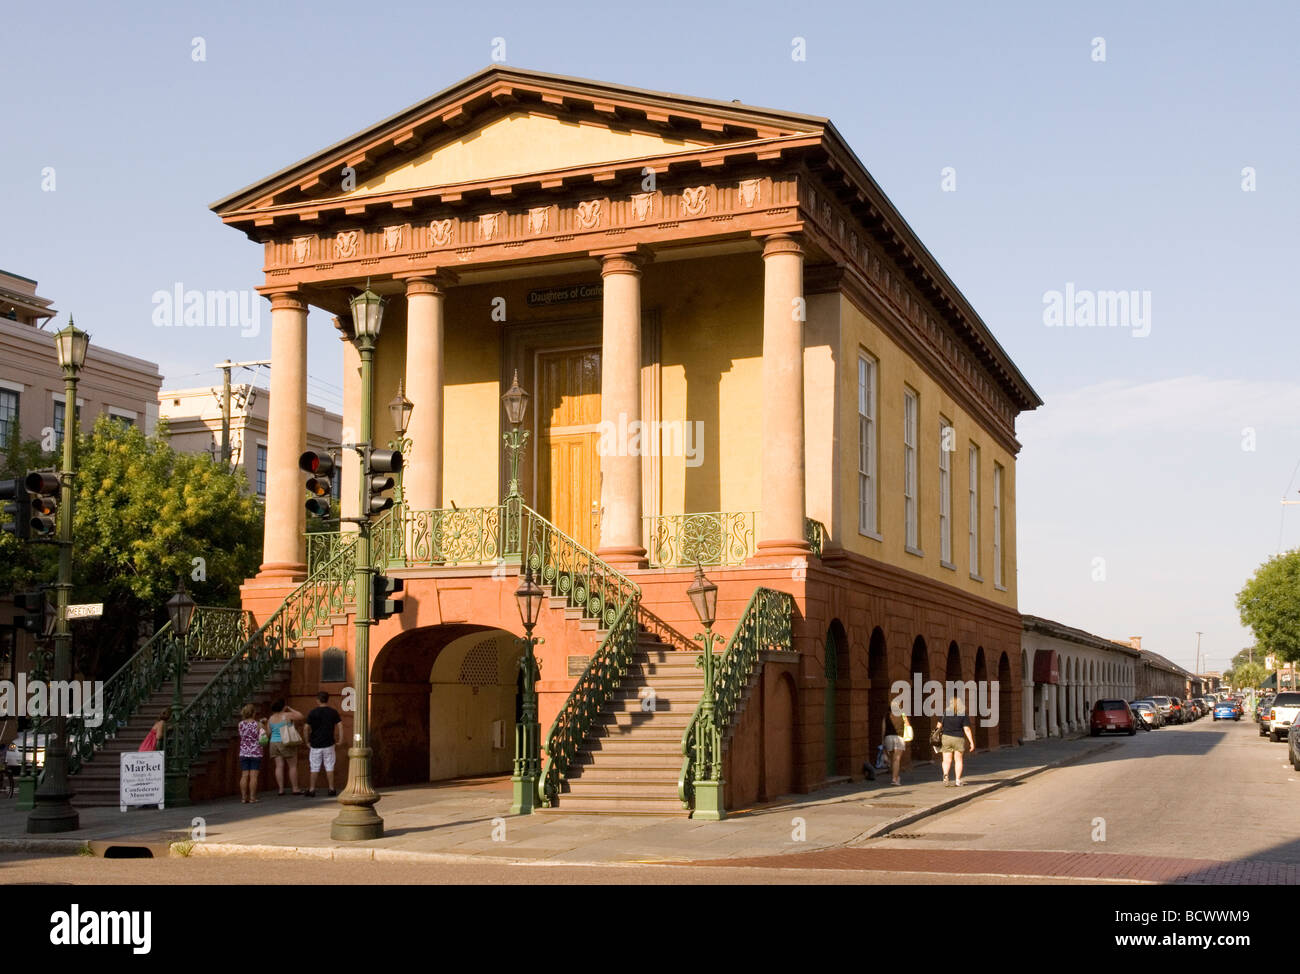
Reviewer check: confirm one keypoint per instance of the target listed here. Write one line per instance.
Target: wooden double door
(568, 437)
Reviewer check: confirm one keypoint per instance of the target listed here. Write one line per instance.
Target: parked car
(1226, 710)
(1293, 744)
(1166, 707)
(1282, 713)
(1148, 714)
(1179, 713)
(32, 744)
(1148, 702)
(1112, 715)
(1261, 714)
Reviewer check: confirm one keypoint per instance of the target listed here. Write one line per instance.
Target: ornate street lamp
(400, 409)
(52, 809)
(180, 613)
(516, 405)
(528, 740)
(708, 741)
(357, 819)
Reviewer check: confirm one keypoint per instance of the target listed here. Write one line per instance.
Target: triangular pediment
(520, 143)
(505, 122)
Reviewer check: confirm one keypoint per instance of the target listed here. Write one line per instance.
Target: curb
(64, 847)
(884, 828)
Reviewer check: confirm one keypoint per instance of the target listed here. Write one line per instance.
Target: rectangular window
(867, 444)
(974, 510)
(261, 470)
(997, 524)
(909, 470)
(946, 448)
(8, 418)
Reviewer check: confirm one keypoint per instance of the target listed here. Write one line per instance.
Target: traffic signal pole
(53, 811)
(357, 819)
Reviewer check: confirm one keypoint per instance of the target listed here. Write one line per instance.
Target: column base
(278, 572)
(623, 557)
(780, 550)
(708, 802)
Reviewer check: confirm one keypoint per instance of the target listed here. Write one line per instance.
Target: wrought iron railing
(217, 633)
(597, 685)
(715, 538)
(455, 536)
(574, 572)
(814, 532)
(764, 626)
(330, 590)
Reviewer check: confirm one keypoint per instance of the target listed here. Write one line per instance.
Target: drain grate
(936, 836)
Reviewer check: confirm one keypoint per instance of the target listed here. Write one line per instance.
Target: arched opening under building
(920, 674)
(1007, 718)
(444, 704)
(982, 694)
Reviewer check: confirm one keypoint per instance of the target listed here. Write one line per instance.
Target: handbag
(289, 734)
(936, 735)
(908, 733)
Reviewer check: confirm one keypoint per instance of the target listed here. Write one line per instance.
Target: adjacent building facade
(1066, 671)
(194, 423)
(738, 353)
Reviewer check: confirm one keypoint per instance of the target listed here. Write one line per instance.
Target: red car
(1112, 715)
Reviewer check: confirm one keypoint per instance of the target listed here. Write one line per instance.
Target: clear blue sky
(1115, 175)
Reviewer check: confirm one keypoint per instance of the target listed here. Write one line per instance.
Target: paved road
(1208, 790)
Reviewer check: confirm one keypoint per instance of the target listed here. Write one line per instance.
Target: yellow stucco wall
(895, 371)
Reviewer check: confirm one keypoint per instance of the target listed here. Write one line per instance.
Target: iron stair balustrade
(764, 626)
(712, 539)
(814, 532)
(327, 592)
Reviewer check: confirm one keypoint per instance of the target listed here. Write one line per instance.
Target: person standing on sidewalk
(898, 732)
(325, 728)
(284, 740)
(956, 736)
(251, 736)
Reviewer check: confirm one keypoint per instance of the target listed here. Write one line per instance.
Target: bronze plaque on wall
(578, 665)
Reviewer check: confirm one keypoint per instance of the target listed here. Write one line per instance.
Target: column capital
(435, 282)
(782, 243)
(627, 260)
(288, 301)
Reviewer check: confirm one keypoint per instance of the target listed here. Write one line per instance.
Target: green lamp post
(516, 405)
(528, 740)
(357, 819)
(708, 741)
(52, 810)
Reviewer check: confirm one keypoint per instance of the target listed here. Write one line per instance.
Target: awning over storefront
(1270, 683)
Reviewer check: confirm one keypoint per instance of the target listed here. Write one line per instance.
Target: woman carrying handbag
(285, 740)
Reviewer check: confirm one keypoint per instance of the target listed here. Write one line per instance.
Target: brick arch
(878, 701)
(837, 725)
(982, 690)
(920, 670)
(1009, 713)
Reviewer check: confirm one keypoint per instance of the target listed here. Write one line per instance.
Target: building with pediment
(738, 354)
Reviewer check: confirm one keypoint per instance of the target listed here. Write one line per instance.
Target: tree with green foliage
(1249, 675)
(1270, 607)
(147, 517)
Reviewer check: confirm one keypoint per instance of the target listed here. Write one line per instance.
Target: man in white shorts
(324, 731)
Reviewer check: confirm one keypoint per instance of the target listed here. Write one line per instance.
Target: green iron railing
(764, 626)
(814, 532)
(715, 538)
(574, 572)
(456, 536)
(326, 592)
(217, 633)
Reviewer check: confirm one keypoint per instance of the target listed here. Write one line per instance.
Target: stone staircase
(632, 757)
(96, 783)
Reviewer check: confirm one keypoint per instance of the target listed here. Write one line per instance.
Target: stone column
(286, 515)
(1053, 728)
(620, 405)
(422, 478)
(1029, 731)
(350, 474)
(781, 523)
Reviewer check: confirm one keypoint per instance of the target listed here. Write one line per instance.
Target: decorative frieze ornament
(641, 205)
(748, 192)
(588, 214)
(694, 200)
(539, 219)
(302, 249)
(489, 225)
(345, 244)
(393, 239)
(440, 233)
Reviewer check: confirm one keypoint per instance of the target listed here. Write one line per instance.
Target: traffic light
(31, 611)
(380, 464)
(44, 488)
(387, 597)
(321, 468)
(18, 506)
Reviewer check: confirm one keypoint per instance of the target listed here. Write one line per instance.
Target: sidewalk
(468, 819)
